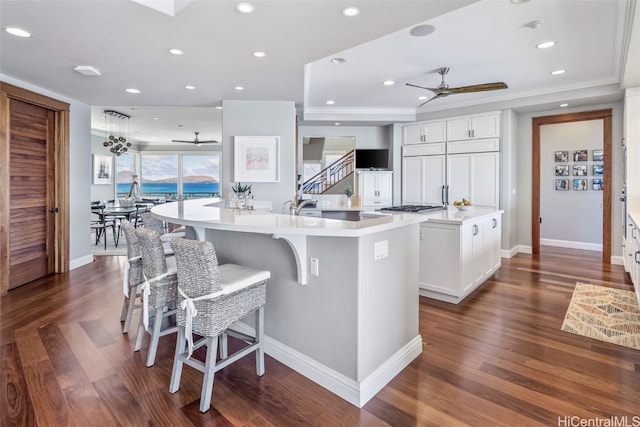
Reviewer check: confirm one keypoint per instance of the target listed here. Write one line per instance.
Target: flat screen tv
(372, 158)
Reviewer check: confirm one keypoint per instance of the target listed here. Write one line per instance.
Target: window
(200, 176)
(125, 169)
(159, 176)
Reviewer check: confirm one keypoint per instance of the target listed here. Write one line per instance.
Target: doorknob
(54, 210)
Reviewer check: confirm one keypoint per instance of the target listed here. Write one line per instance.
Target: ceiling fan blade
(181, 140)
(478, 88)
(431, 99)
(432, 89)
(207, 142)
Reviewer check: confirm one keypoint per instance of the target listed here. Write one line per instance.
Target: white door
(434, 168)
(435, 132)
(412, 180)
(412, 134)
(459, 177)
(458, 129)
(485, 184)
(368, 186)
(384, 185)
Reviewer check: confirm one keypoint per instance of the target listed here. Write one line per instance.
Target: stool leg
(141, 332)
(125, 306)
(259, 340)
(155, 336)
(176, 373)
(132, 303)
(224, 352)
(209, 372)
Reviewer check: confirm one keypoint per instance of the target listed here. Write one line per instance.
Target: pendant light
(116, 132)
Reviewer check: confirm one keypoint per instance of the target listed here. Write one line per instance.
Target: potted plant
(241, 193)
(348, 191)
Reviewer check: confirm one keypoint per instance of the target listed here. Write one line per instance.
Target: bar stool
(211, 297)
(151, 222)
(158, 290)
(132, 277)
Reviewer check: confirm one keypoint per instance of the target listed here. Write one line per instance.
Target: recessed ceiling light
(545, 45)
(422, 98)
(350, 11)
(132, 90)
(189, 87)
(388, 82)
(245, 8)
(534, 25)
(154, 118)
(259, 54)
(336, 124)
(175, 51)
(330, 102)
(518, 1)
(239, 88)
(338, 60)
(564, 105)
(218, 107)
(18, 32)
(556, 72)
(422, 30)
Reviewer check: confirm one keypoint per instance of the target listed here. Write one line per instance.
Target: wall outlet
(380, 249)
(314, 266)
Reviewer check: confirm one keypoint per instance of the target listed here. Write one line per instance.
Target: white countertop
(454, 216)
(205, 214)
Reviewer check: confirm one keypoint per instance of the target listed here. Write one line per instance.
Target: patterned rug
(605, 314)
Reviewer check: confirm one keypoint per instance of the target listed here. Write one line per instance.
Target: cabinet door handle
(469, 133)
(633, 231)
(442, 194)
(473, 133)
(475, 229)
(635, 257)
(495, 222)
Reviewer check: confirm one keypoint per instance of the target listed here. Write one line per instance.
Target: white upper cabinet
(375, 188)
(420, 133)
(474, 127)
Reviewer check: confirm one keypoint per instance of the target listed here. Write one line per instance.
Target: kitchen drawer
(424, 149)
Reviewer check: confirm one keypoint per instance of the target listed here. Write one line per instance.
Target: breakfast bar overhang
(352, 327)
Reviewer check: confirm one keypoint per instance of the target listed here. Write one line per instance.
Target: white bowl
(464, 208)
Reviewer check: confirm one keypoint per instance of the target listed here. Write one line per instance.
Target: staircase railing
(331, 175)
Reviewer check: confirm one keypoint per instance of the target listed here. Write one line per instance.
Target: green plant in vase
(348, 191)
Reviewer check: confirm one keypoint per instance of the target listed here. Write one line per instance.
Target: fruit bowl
(464, 207)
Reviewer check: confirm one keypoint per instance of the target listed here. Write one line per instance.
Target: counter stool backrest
(133, 253)
(154, 264)
(198, 268)
(152, 223)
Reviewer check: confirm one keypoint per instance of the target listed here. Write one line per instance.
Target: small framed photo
(598, 169)
(579, 170)
(598, 155)
(562, 184)
(561, 156)
(562, 170)
(580, 184)
(580, 155)
(597, 184)
(102, 169)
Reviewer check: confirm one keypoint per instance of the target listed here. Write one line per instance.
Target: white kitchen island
(352, 327)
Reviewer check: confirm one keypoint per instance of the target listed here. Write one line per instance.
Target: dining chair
(211, 298)
(101, 223)
(153, 223)
(158, 291)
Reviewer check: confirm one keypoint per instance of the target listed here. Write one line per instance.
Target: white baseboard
(354, 392)
(617, 260)
(79, 262)
(572, 245)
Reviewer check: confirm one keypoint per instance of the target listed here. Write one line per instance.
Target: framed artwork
(580, 155)
(562, 184)
(102, 169)
(598, 155)
(580, 184)
(256, 158)
(597, 184)
(598, 169)
(561, 156)
(562, 170)
(579, 170)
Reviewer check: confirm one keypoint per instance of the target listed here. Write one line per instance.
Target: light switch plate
(380, 249)
(314, 267)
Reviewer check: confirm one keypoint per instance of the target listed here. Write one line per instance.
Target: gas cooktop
(414, 208)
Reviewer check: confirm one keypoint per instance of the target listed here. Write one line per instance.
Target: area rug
(605, 314)
(99, 250)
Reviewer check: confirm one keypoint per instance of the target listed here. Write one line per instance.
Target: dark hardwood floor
(498, 358)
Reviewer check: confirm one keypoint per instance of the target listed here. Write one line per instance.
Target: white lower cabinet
(457, 258)
(375, 188)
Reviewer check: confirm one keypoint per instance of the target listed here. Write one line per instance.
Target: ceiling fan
(195, 140)
(443, 88)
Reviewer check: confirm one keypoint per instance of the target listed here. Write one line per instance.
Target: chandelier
(116, 132)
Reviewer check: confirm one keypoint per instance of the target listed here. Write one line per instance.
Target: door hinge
(54, 210)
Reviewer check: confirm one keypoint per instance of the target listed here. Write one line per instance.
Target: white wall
(101, 191)
(79, 172)
(570, 218)
(261, 118)
(524, 171)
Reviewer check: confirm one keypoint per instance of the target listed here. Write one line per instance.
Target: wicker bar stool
(158, 290)
(151, 222)
(132, 277)
(211, 298)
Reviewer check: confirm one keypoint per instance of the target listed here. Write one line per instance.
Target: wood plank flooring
(498, 358)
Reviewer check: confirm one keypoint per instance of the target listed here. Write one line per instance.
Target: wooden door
(31, 177)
